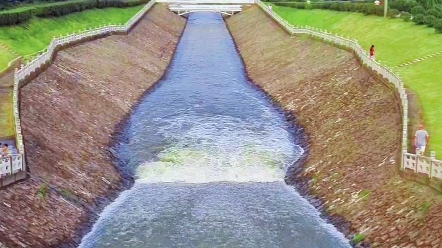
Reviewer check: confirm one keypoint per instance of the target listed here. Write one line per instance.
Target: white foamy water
(220, 148)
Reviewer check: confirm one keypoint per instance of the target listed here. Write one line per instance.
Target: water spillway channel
(209, 153)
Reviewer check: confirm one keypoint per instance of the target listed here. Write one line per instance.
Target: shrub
(320, 6)
(364, 9)
(403, 5)
(379, 10)
(345, 6)
(433, 12)
(369, 10)
(393, 13)
(335, 6)
(358, 7)
(419, 19)
(43, 191)
(438, 25)
(429, 20)
(19, 15)
(292, 5)
(63, 8)
(296, 5)
(283, 4)
(358, 238)
(417, 10)
(124, 4)
(14, 17)
(8, 4)
(406, 16)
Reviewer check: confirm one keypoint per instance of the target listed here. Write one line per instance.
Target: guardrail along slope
(354, 124)
(68, 117)
(423, 167)
(14, 168)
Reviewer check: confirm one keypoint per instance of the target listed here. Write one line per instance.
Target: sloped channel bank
(353, 124)
(69, 117)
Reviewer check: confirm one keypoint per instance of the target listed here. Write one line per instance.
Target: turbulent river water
(209, 153)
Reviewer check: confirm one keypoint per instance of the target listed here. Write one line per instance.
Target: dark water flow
(209, 153)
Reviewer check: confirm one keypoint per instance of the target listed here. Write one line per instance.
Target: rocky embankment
(352, 121)
(69, 114)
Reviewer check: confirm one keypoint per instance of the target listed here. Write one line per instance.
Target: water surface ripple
(209, 153)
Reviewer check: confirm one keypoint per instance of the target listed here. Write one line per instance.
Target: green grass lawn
(6, 116)
(5, 58)
(396, 42)
(35, 35)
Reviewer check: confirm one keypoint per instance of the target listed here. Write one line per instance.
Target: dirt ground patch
(353, 124)
(68, 117)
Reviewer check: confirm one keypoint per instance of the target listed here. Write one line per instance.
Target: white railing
(423, 165)
(207, 1)
(183, 9)
(11, 164)
(360, 53)
(22, 74)
(205, 7)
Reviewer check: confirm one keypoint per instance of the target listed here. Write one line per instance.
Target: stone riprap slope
(353, 122)
(69, 114)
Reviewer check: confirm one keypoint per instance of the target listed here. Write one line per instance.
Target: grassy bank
(35, 35)
(5, 57)
(396, 42)
(6, 117)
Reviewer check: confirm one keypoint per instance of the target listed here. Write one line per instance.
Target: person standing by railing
(5, 150)
(372, 52)
(421, 139)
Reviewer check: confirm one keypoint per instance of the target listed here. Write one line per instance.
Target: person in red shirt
(372, 52)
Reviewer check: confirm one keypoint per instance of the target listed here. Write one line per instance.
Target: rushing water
(209, 153)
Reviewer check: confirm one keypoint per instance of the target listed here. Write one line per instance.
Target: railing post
(433, 158)
(10, 163)
(417, 160)
(404, 153)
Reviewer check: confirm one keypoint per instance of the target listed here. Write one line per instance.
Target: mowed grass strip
(35, 35)
(6, 116)
(5, 57)
(396, 42)
(425, 79)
